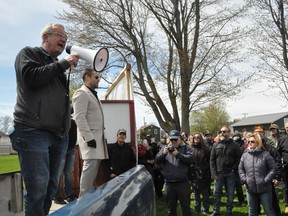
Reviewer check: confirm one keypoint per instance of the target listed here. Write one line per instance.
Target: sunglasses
(196, 137)
(252, 141)
(224, 131)
(173, 140)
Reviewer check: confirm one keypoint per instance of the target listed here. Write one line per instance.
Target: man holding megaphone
(42, 117)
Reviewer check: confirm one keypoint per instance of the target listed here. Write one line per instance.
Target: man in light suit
(90, 125)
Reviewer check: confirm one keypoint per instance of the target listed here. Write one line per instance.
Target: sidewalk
(53, 208)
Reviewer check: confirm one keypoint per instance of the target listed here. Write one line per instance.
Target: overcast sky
(21, 23)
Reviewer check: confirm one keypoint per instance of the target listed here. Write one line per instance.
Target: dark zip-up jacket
(175, 169)
(225, 157)
(42, 91)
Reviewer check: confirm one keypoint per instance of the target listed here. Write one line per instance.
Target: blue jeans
(40, 155)
(229, 180)
(68, 174)
(264, 198)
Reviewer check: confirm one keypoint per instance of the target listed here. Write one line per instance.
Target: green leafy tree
(210, 118)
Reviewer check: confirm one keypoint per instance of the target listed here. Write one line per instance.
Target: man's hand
(214, 177)
(165, 150)
(112, 175)
(275, 182)
(92, 143)
(72, 59)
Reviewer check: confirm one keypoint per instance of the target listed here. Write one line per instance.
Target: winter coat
(175, 169)
(225, 156)
(257, 168)
(202, 164)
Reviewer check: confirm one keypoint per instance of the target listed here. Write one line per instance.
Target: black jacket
(42, 91)
(225, 157)
(201, 164)
(121, 158)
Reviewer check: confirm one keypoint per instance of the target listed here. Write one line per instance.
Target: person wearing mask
(201, 177)
(42, 117)
(121, 155)
(89, 119)
(175, 158)
(257, 169)
(224, 161)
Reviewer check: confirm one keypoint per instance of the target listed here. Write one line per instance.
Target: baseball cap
(174, 134)
(121, 131)
(207, 133)
(273, 126)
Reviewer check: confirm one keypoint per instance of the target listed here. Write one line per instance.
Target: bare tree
(181, 51)
(5, 123)
(269, 43)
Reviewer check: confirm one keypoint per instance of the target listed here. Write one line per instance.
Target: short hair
(48, 29)
(225, 126)
(259, 127)
(87, 72)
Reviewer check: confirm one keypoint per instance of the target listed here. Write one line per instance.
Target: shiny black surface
(131, 193)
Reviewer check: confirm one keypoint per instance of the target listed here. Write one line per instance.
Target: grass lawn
(9, 163)
(237, 210)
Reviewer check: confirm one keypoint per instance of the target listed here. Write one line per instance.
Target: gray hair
(48, 29)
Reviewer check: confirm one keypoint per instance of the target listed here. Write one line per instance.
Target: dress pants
(88, 175)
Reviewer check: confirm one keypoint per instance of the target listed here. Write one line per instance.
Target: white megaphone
(98, 58)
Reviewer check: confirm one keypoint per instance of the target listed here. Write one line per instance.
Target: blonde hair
(258, 140)
(48, 29)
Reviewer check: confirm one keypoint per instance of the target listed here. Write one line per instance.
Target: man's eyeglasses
(252, 141)
(224, 131)
(60, 35)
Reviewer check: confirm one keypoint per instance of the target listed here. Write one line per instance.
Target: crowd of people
(227, 161)
(180, 164)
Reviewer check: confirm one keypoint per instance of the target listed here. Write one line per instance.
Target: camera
(171, 149)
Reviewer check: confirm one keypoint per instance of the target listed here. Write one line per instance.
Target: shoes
(215, 213)
(71, 198)
(242, 204)
(286, 210)
(60, 201)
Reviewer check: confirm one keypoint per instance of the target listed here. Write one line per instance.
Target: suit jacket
(89, 118)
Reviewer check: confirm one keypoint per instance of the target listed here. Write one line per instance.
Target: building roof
(261, 119)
